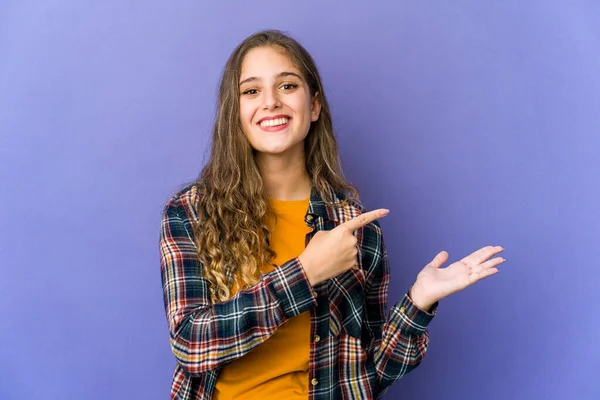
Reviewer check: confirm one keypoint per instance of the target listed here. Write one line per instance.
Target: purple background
(476, 123)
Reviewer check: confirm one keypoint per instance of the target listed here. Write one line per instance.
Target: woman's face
(276, 107)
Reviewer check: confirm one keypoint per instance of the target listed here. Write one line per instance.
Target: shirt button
(402, 310)
(309, 217)
(314, 382)
(317, 338)
(315, 294)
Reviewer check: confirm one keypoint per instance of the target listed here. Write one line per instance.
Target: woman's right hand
(329, 253)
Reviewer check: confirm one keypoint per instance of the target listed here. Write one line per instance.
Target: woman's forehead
(266, 62)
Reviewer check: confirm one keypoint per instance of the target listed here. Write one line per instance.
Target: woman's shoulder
(352, 203)
(184, 202)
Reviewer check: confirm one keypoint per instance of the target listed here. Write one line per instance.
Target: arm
(206, 336)
(399, 342)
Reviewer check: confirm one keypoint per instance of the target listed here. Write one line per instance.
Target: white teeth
(274, 122)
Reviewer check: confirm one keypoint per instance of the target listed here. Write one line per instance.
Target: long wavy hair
(232, 233)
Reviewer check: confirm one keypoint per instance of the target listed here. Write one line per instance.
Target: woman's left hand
(434, 283)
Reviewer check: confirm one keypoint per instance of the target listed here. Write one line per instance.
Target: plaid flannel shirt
(356, 351)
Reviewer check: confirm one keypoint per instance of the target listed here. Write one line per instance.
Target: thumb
(440, 259)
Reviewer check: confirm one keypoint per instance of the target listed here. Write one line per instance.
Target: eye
(289, 86)
(250, 92)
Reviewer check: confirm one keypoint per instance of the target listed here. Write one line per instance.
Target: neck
(284, 177)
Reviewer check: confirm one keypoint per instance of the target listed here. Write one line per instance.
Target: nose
(271, 99)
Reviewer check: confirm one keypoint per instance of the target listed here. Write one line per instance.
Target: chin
(275, 151)
(277, 147)
(274, 148)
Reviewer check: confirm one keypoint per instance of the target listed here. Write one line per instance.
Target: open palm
(434, 283)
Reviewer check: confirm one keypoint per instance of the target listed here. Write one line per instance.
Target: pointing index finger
(365, 219)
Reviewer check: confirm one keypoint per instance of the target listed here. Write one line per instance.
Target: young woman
(275, 277)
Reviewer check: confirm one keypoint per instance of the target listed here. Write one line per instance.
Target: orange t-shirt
(278, 368)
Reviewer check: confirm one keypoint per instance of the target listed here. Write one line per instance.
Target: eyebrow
(279, 75)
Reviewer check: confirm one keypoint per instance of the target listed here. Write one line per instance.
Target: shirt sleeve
(206, 336)
(398, 341)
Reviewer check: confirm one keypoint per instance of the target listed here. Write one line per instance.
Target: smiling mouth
(274, 122)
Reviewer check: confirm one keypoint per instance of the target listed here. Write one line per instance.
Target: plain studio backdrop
(476, 122)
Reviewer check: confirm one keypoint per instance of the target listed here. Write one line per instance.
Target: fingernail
(385, 212)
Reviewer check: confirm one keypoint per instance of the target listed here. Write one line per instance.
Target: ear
(315, 107)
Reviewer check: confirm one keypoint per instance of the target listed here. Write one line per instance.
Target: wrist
(307, 271)
(420, 298)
